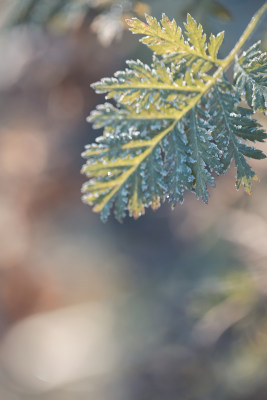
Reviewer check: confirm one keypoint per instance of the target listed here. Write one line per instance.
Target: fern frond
(118, 120)
(165, 38)
(205, 154)
(141, 85)
(250, 77)
(178, 165)
(175, 123)
(233, 123)
(121, 162)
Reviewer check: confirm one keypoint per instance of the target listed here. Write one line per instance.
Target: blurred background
(171, 306)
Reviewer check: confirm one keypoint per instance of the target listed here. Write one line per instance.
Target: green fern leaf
(165, 38)
(196, 36)
(250, 77)
(205, 153)
(232, 124)
(178, 165)
(162, 39)
(141, 85)
(118, 162)
(214, 45)
(175, 123)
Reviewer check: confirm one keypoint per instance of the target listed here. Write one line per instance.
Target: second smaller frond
(250, 77)
(233, 127)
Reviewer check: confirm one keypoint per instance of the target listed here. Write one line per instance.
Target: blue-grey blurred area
(171, 306)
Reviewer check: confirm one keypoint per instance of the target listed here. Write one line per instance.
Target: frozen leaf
(174, 125)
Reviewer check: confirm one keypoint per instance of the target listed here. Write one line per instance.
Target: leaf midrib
(137, 86)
